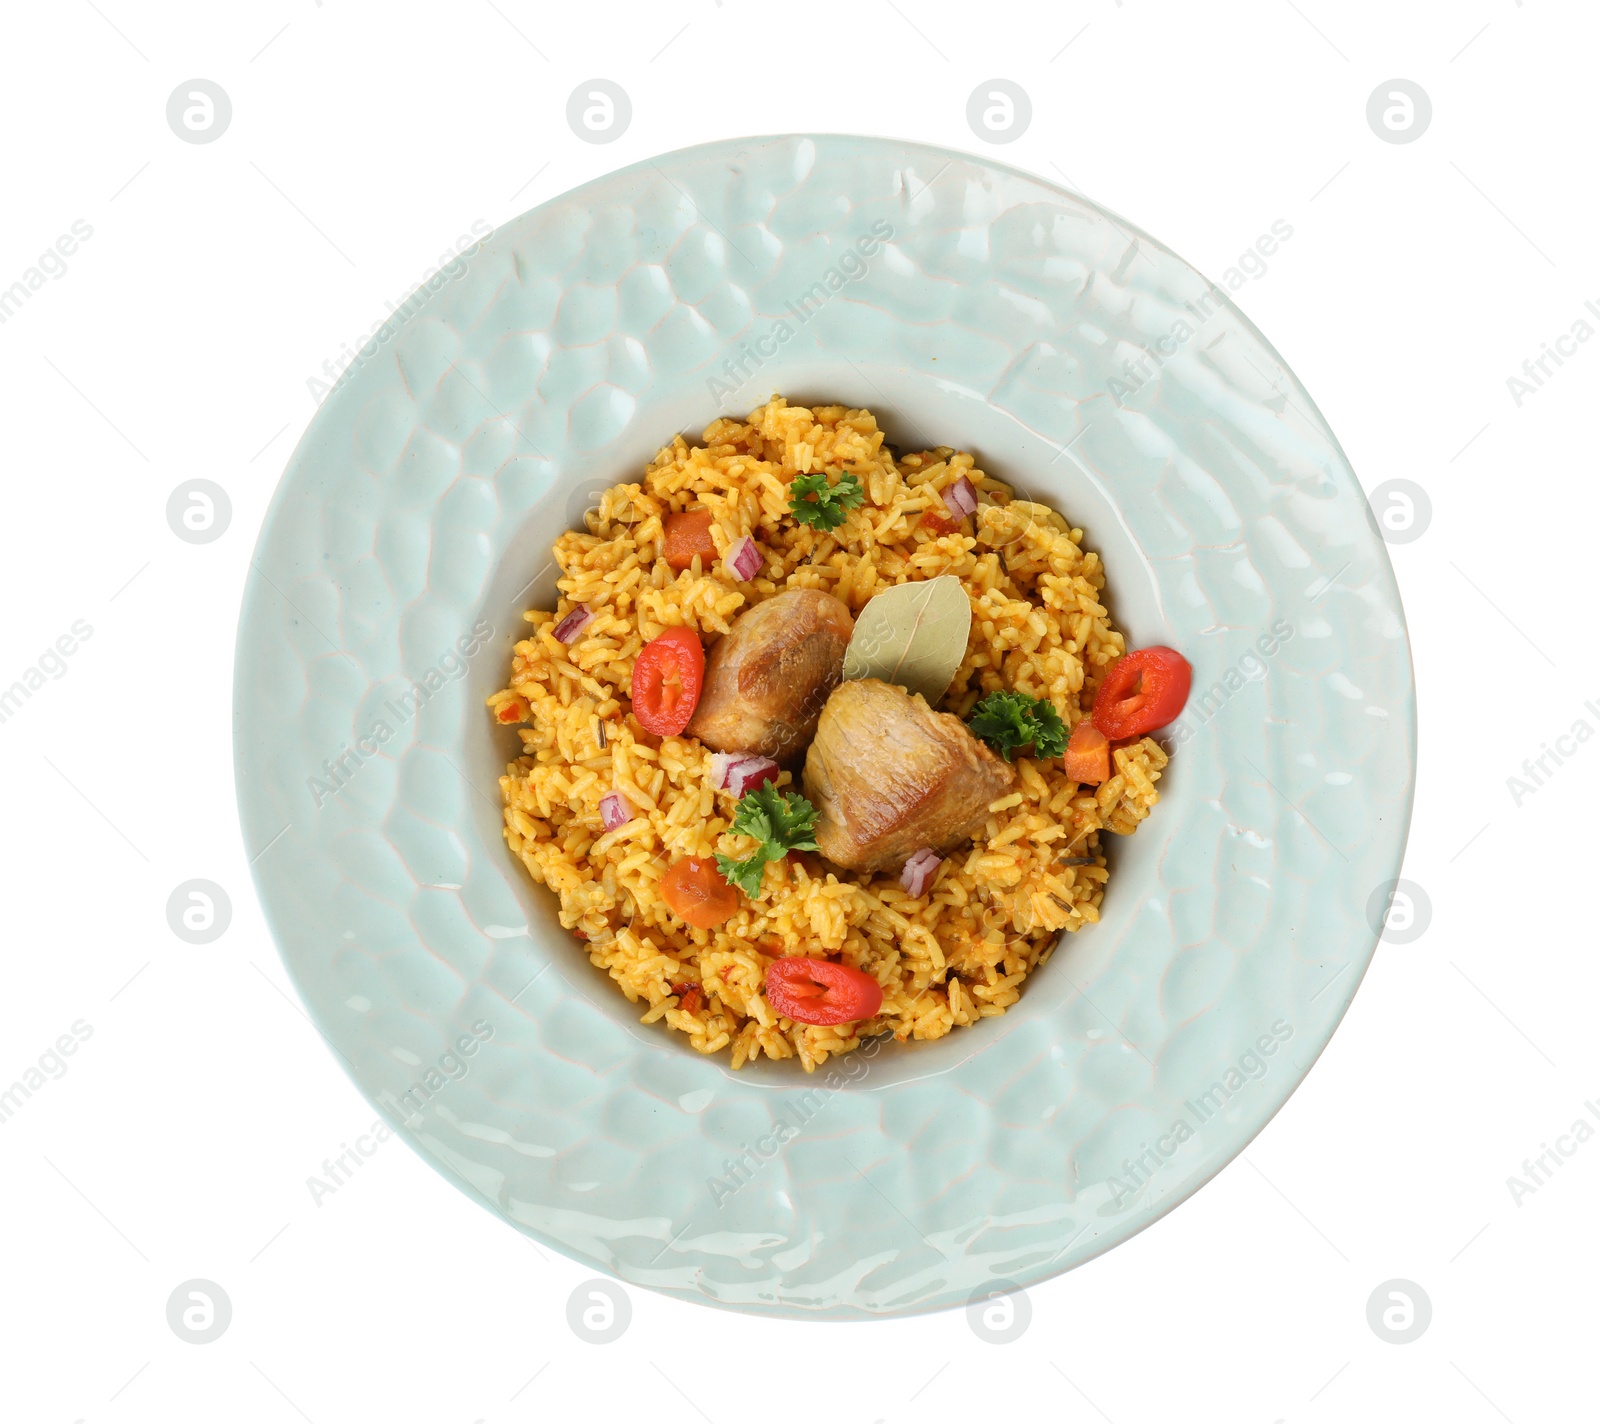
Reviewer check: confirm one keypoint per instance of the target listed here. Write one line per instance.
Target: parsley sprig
(813, 501)
(1010, 720)
(781, 820)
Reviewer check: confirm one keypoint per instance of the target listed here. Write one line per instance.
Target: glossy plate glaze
(966, 304)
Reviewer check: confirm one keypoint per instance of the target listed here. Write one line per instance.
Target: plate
(965, 303)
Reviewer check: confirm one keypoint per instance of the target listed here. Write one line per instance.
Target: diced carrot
(697, 894)
(687, 535)
(936, 523)
(1088, 759)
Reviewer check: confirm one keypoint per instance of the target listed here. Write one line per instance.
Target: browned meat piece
(889, 775)
(766, 680)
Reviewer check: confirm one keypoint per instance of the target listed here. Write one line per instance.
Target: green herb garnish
(1009, 720)
(781, 820)
(813, 501)
(1049, 731)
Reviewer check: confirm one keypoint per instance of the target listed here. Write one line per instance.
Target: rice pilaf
(997, 906)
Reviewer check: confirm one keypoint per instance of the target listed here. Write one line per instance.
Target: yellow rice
(997, 907)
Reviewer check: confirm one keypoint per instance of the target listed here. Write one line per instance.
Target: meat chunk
(889, 775)
(768, 677)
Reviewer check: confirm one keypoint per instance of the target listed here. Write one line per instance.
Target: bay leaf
(913, 635)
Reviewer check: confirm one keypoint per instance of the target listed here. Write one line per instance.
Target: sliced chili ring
(1142, 692)
(820, 991)
(667, 678)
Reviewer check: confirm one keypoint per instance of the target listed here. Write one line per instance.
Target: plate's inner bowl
(915, 412)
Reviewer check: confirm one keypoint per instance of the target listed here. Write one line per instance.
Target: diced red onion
(738, 772)
(753, 772)
(614, 810)
(960, 498)
(920, 870)
(744, 559)
(574, 623)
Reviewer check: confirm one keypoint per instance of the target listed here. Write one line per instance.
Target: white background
(365, 140)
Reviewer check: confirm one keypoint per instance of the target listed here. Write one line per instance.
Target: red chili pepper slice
(667, 678)
(819, 991)
(1142, 693)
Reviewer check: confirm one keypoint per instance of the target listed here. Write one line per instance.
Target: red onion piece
(567, 630)
(744, 559)
(614, 810)
(738, 772)
(960, 498)
(720, 762)
(919, 871)
(751, 773)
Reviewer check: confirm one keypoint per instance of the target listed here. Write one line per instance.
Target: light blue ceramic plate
(966, 304)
